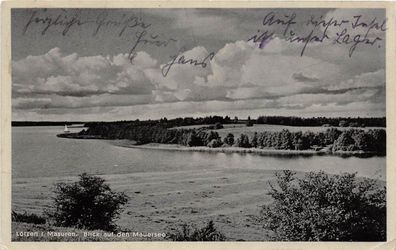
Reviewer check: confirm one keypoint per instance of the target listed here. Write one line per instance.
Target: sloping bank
(258, 151)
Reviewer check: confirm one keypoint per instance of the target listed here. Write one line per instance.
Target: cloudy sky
(78, 68)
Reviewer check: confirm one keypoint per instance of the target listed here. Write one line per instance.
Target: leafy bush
(243, 141)
(193, 140)
(27, 218)
(322, 207)
(211, 135)
(229, 139)
(344, 142)
(192, 233)
(88, 203)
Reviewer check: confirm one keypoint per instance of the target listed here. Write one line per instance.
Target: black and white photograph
(198, 124)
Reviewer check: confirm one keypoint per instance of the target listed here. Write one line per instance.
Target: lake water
(37, 152)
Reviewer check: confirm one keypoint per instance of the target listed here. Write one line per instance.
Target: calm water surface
(37, 152)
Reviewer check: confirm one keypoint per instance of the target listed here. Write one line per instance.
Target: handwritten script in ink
(135, 27)
(183, 60)
(351, 32)
(137, 30)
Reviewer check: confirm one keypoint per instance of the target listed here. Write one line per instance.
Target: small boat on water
(66, 130)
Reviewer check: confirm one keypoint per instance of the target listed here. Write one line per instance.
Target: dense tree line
(323, 121)
(187, 121)
(170, 123)
(274, 120)
(154, 133)
(373, 140)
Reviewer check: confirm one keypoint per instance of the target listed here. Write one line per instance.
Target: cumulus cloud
(240, 70)
(74, 75)
(240, 77)
(365, 80)
(271, 74)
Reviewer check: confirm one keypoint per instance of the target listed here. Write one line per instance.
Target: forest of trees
(170, 123)
(154, 133)
(275, 120)
(372, 140)
(323, 121)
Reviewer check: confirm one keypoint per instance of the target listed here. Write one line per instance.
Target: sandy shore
(177, 147)
(259, 151)
(160, 201)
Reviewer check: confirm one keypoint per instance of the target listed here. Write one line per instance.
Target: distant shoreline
(83, 137)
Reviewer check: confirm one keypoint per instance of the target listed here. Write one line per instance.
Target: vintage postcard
(241, 125)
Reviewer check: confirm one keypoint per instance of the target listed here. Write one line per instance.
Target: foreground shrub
(192, 233)
(88, 203)
(322, 207)
(27, 218)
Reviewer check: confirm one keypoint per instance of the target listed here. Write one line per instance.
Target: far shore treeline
(274, 120)
(159, 131)
(270, 120)
(43, 123)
